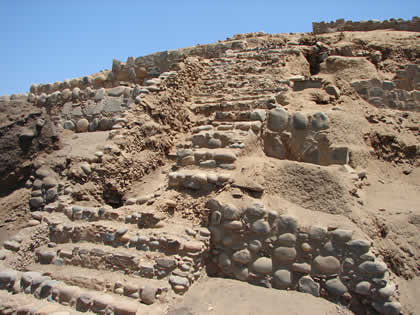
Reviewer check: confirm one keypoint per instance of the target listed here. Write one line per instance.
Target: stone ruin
(130, 253)
(259, 246)
(341, 25)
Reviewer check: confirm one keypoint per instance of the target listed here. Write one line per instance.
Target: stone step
(27, 304)
(198, 179)
(170, 240)
(35, 285)
(140, 215)
(147, 263)
(209, 106)
(207, 158)
(135, 287)
(227, 137)
(253, 115)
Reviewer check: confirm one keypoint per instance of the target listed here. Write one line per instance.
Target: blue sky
(46, 41)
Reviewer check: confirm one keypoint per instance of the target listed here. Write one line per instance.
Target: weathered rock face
(271, 250)
(25, 130)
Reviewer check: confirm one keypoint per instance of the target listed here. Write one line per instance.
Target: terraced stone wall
(301, 137)
(259, 246)
(341, 25)
(163, 61)
(402, 93)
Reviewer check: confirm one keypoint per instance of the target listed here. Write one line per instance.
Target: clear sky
(44, 41)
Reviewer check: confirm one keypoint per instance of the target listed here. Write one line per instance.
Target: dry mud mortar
(279, 170)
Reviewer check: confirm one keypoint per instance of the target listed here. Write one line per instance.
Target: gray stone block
(278, 119)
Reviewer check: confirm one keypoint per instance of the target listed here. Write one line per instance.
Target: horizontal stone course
(341, 25)
(403, 93)
(302, 137)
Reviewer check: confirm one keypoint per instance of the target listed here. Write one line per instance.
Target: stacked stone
(403, 93)
(341, 25)
(45, 187)
(220, 135)
(256, 102)
(263, 248)
(197, 180)
(301, 137)
(206, 158)
(85, 109)
(44, 287)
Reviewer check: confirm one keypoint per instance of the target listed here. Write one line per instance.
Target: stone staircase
(105, 260)
(108, 260)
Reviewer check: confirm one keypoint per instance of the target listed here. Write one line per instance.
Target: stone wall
(137, 70)
(402, 93)
(301, 137)
(341, 25)
(261, 247)
(83, 108)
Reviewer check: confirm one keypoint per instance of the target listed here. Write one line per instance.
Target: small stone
(287, 224)
(33, 222)
(255, 210)
(233, 225)
(193, 246)
(333, 90)
(46, 257)
(86, 168)
(282, 279)
(243, 256)
(148, 295)
(308, 285)
(93, 125)
(36, 202)
(167, 263)
(306, 247)
(120, 232)
(304, 268)
(51, 194)
(369, 256)
(254, 246)
(261, 227)
(11, 245)
(230, 212)
(286, 239)
(342, 236)
(285, 255)
(299, 121)
(359, 247)
(326, 265)
(335, 287)
(363, 288)
(317, 233)
(125, 307)
(49, 182)
(177, 280)
(190, 232)
(241, 273)
(387, 291)
(102, 304)
(320, 121)
(262, 265)
(82, 125)
(216, 217)
(373, 269)
(68, 124)
(278, 119)
(387, 308)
